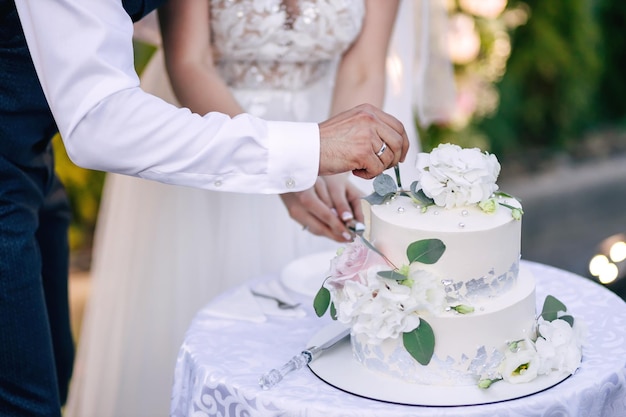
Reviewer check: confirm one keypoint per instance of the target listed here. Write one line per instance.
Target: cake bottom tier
(467, 346)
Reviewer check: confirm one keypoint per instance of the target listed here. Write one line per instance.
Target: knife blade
(305, 357)
(358, 230)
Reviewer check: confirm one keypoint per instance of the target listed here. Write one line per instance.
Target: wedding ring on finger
(382, 150)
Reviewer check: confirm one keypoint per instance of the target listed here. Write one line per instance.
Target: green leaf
(384, 184)
(551, 308)
(333, 311)
(420, 342)
(321, 301)
(392, 275)
(569, 319)
(504, 195)
(509, 206)
(426, 251)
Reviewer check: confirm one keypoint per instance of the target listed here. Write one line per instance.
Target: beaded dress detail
(267, 44)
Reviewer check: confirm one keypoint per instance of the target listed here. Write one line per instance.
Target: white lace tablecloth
(221, 360)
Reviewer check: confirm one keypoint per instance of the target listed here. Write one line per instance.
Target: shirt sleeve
(84, 59)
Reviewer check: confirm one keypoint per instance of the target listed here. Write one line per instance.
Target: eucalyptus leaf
(420, 197)
(396, 276)
(420, 342)
(375, 199)
(321, 301)
(551, 308)
(426, 251)
(384, 184)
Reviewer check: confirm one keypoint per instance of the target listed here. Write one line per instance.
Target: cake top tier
(405, 213)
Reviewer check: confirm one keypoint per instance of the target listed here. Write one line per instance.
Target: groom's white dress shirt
(82, 51)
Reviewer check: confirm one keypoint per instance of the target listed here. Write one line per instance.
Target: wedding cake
(433, 289)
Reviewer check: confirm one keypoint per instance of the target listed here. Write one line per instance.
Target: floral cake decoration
(449, 176)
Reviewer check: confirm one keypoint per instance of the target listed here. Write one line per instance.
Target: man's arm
(84, 60)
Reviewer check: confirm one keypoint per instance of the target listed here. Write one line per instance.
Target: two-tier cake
(433, 290)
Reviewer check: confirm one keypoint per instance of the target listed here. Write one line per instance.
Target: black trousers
(36, 344)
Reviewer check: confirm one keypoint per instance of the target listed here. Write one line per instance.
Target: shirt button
(218, 183)
(290, 183)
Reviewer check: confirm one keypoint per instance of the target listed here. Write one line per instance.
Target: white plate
(305, 275)
(337, 367)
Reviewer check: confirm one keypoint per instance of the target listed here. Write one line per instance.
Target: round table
(221, 360)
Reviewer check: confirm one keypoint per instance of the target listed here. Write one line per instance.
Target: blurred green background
(535, 79)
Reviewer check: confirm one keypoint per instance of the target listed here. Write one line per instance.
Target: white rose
(454, 177)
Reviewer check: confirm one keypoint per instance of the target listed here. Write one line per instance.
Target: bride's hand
(317, 208)
(345, 197)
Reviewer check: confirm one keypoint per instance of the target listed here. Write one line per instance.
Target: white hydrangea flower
(559, 346)
(427, 291)
(379, 308)
(453, 176)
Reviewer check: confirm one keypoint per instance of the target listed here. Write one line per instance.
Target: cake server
(305, 357)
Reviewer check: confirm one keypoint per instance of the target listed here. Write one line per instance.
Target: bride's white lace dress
(162, 251)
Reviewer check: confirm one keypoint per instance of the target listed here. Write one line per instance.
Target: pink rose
(354, 258)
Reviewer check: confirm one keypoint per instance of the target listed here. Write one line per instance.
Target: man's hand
(324, 209)
(364, 140)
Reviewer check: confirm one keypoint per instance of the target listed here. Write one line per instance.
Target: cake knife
(356, 227)
(305, 357)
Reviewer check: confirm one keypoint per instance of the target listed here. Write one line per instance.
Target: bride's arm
(361, 72)
(186, 30)
(361, 79)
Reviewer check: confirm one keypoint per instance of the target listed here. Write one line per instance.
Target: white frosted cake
(433, 290)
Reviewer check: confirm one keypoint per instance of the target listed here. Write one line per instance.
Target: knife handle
(274, 376)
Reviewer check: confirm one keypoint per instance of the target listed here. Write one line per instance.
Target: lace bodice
(264, 44)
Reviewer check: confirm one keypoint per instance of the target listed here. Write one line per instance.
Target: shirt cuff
(294, 155)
